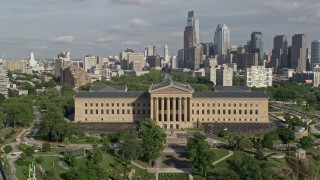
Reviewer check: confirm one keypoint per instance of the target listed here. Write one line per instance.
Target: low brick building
(75, 76)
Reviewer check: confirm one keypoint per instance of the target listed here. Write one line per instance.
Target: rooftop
(112, 95)
(108, 88)
(171, 83)
(231, 89)
(230, 95)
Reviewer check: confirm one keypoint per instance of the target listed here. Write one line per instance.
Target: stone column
(156, 109)
(152, 109)
(168, 108)
(180, 109)
(162, 109)
(185, 109)
(174, 109)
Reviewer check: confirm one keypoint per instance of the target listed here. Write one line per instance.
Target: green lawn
(173, 176)
(52, 162)
(219, 138)
(224, 165)
(23, 171)
(142, 174)
(7, 131)
(219, 153)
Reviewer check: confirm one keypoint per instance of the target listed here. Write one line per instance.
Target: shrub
(29, 151)
(39, 159)
(7, 149)
(46, 147)
(223, 133)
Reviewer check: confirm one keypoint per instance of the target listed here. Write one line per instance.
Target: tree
(152, 138)
(310, 99)
(29, 151)
(131, 149)
(39, 159)
(269, 139)
(223, 133)
(259, 154)
(7, 149)
(2, 98)
(105, 144)
(286, 135)
(18, 112)
(46, 147)
(306, 142)
(200, 154)
(97, 154)
(240, 142)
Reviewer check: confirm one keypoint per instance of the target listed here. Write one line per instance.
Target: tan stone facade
(172, 106)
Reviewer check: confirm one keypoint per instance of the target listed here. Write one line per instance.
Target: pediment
(170, 90)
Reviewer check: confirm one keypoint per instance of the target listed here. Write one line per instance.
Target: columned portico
(171, 105)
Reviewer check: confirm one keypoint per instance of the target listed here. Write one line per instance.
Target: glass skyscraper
(315, 53)
(256, 44)
(193, 20)
(221, 39)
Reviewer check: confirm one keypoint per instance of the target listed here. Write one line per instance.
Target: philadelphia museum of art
(171, 105)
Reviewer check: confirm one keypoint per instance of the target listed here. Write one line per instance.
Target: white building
(63, 61)
(89, 61)
(166, 54)
(32, 61)
(258, 76)
(221, 39)
(4, 80)
(219, 75)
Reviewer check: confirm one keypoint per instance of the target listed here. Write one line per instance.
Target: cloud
(105, 39)
(64, 39)
(138, 22)
(176, 34)
(130, 43)
(141, 3)
(281, 5)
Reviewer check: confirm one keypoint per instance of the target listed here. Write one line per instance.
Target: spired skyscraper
(256, 45)
(193, 20)
(192, 50)
(315, 53)
(221, 39)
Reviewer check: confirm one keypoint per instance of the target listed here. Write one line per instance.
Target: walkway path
(225, 157)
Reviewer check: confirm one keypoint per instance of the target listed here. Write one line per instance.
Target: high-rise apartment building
(315, 53)
(20, 66)
(89, 61)
(193, 57)
(299, 52)
(258, 76)
(193, 20)
(136, 61)
(279, 58)
(62, 61)
(180, 58)
(221, 39)
(75, 76)
(256, 45)
(151, 51)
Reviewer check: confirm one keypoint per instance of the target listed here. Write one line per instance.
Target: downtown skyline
(108, 27)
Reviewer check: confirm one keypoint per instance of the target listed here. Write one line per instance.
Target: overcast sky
(107, 27)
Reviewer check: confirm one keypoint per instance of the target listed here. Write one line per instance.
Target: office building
(306, 77)
(89, 61)
(75, 76)
(18, 66)
(180, 58)
(279, 58)
(172, 105)
(315, 54)
(221, 39)
(62, 61)
(154, 61)
(256, 45)
(151, 51)
(246, 60)
(193, 20)
(219, 75)
(136, 61)
(258, 76)
(193, 57)
(299, 52)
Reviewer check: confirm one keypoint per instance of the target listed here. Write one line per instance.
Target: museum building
(172, 105)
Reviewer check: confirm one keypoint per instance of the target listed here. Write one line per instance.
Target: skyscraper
(279, 57)
(32, 61)
(166, 54)
(256, 44)
(193, 20)
(221, 39)
(315, 53)
(299, 52)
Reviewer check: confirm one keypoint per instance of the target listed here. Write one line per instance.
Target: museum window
(102, 112)
(118, 104)
(107, 104)
(256, 119)
(123, 111)
(219, 111)
(213, 111)
(245, 104)
(101, 104)
(208, 104)
(251, 112)
(234, 111)
(240, 105)
(112, 111)
(234, 105)
(192, 111)
(86, 119)
(245, 111)
(97, 105)
(240, 111)
(256, 111)
(224, 104)
(202, 104)
(208, 111)
(229, 105)
(229, 111)
(85, 104)
(128, 104)
(86, 111)
(118, 112)
(197, 111)
(112, 104)
(107, 112)
(213, 104)
(128, 111)
(91, 111)
(224, 111)
(192, 105)
(91, 104)
(250, 104)
(202, 111)
(197, 104)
